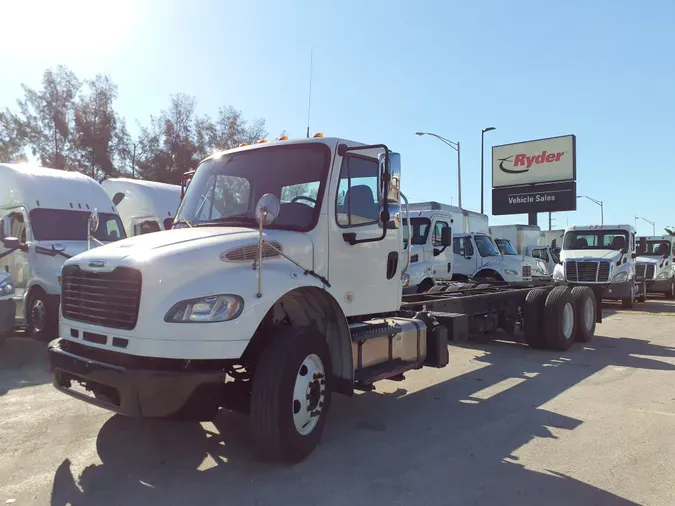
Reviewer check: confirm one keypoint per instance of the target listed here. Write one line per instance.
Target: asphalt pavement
(501, 425)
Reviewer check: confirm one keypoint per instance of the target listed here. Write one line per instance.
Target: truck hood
(183, 249)
(649, 260)
(507, 262)
(592, 254)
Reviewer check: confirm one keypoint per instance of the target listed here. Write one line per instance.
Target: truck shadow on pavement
(23, 363)
(653, 306)
(445, 444)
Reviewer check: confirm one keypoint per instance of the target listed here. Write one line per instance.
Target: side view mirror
(633, 255)
(267, 209)
(93, 221)
(58, 247)
(394, 170)
(623, 251)
(11, 243)
(446, 237)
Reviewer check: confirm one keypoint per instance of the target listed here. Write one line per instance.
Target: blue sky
(603, 70)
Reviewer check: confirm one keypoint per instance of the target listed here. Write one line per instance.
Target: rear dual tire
(555, 319)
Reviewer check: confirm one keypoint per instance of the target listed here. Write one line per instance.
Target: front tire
(291, 394)
(41, 317)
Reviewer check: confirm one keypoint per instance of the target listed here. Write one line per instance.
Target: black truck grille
(587, 272)
(644, 271)
(109, 299)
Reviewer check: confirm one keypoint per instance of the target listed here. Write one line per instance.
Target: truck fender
(305, 306)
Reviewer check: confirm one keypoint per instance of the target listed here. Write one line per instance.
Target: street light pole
(482, 171)
(652, 223)
(598, 202)
(455, 146)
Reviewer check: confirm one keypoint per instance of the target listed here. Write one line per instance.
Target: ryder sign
(539, 161)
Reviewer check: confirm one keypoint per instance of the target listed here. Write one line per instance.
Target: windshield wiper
(182, 221)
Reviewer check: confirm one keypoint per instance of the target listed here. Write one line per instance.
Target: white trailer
(523, 241)
(43, 221)
(272, 294)
(144, 206)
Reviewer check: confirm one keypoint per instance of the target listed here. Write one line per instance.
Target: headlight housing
(558, 274)
(620, 277)
(511, 272)
(541, 265)
(6, 287)
(662, 275)
(209, 309)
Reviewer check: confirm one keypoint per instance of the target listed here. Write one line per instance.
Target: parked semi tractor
(604, 258)
(279, 286)
(656, 263)
(43, 222)
(144, 206)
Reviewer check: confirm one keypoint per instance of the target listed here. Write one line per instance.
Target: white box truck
(144, 206)
(43, 222)
(656, 264)
(521, 241)
(274, 294)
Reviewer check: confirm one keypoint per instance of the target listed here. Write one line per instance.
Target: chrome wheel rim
(308, 394)
(568, 321)
(589, 313)
(38, 315)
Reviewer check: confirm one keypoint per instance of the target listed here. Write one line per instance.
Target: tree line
(71, 124)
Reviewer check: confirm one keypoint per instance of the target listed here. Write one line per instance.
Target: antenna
(309, 100)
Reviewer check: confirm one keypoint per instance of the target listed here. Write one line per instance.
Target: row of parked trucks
(281, 283)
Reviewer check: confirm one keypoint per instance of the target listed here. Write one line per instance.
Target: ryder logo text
(522, 162)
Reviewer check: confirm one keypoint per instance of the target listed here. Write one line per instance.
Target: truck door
(365, 277)
(464, 256)
(442, 257)
(15, 262)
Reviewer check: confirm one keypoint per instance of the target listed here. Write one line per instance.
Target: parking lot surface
(502, 424)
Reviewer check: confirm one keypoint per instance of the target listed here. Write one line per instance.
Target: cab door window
(357, 192)
(438, 232)
(462, 246)
(17, 225)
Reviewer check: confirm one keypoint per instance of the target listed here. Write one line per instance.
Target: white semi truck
(144, 206)
(43, 222)
(656, 263)
(279, 286)
(602, 257)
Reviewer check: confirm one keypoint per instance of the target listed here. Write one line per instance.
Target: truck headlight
(209, 309)
(405, 277)
(511, 272)
(6, 287)
(558, 274)
(621, 277)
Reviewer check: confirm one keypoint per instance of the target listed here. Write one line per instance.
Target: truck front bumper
(116, 383)
(658, 285)
(618, 291)
(7, 316)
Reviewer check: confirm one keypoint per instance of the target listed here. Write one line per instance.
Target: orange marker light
(242, 144)
(283, 138)
(318, 135)
(262, 141)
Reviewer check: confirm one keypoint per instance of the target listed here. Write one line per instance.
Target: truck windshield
(506, 247)
(486, 248)
(66, 225)
(420, 230)
(596, 239)
(225, 190)
(654, 248)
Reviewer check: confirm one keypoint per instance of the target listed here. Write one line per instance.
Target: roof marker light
(318, 135)
(283, 138)
(242, 144)
(262, 141)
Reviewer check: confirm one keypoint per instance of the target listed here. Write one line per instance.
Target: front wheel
(291, 394)
(41, 318)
